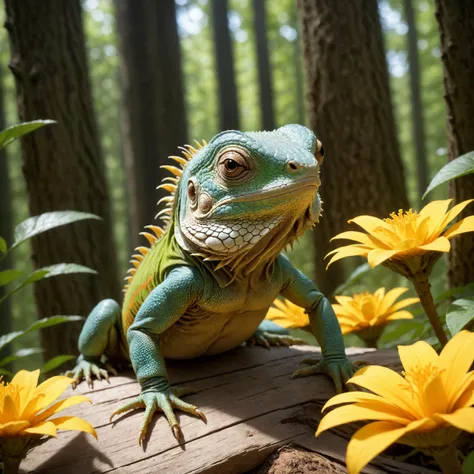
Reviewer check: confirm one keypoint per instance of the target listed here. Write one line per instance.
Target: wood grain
(252, 407)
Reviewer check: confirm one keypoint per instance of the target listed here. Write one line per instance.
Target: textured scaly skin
(206, 283)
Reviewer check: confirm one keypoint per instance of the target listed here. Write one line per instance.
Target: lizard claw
(87, 369)
(165, 400)
(267, 339)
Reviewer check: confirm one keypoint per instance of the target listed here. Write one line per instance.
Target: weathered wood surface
(252, 407)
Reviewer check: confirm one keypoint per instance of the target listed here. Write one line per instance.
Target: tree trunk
(62, 163)
(418, 122)
(298, 66)
(350, 109)
(154, 123)
(6, 226)
(228, 109)
(456, 25)
(263, 62)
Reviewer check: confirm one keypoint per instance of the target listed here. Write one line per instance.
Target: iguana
(208, 278)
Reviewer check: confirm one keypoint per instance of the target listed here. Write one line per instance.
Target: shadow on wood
(252, 407)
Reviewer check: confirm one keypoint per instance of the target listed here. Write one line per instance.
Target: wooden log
(252, 407)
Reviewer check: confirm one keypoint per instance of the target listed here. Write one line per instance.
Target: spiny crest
(169, 184)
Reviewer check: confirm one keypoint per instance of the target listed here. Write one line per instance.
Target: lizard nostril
(293, 166)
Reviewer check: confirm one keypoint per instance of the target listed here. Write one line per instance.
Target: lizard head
(244, 196)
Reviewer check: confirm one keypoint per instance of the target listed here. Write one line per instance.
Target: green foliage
(456, 168)
(9, 135)
(56, 362)
(353, 278)
(468, 465)
(460, 315)
(49, 220)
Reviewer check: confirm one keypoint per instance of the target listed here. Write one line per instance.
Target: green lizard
(208, 279)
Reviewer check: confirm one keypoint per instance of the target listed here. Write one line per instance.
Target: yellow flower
(426, 408)
(406, 234)
(25, 408)
(368, 310)
(287, 315)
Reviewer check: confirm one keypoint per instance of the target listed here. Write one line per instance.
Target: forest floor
(259, 422)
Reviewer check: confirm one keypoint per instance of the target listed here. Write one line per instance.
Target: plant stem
(11, 465)
(447, 459)
(422, 287)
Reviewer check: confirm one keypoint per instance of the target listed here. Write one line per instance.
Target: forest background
(411, 43)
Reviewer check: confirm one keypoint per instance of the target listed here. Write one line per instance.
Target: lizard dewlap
(208, 276)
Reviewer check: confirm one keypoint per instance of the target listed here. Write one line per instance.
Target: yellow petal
(435, 211)
(58, 406)
(435, 396)
(46, 428)
(378, 256)
(12, 427)
(74, 423)
(441, 244)
(389, 385)
(361, 411)
(462, 419)
(28, 381)
(370, 440)
(464, 398)
(464, 225)
(417, 355)
(399, 315)
(369, 223)
(351, 397)
(454, 212)
(402, 304)
(52, 388)
(391, 297)
(360, 238)
(10, 410)
(455, 359)
(348, 251)
(280, 305)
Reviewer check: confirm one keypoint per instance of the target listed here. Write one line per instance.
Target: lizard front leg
(162, 308)
(300, 290)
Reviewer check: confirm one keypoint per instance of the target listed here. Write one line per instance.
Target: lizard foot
(167, 401)
(267, 339)
(88, 368)
(340, 370)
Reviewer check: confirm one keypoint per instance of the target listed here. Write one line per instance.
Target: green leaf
(65, 269)
(40, 324)
(456, 293)
(6, 372)
(7, 276)
(11, 134)
(3, 245)
(354, 277)
(49, 220)
(56, 362)
(454, 169)
(20, 354)
(37, 275)
(468, 464)
(459, 315)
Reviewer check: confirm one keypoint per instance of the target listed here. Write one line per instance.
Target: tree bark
(456, 25)
(418, 122)
(154, 122)
(228, 108)
(6, 226)
(350, 109)
(263, 62)
(62, 164)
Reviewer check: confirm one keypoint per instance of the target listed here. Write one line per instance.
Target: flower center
(419, 376)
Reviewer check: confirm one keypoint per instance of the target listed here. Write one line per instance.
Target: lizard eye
(320, 153)
(233, 165)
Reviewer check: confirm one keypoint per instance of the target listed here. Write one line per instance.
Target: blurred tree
(228, 109)
(154, 123)
(6, 224)
(62, 164)
(456, 25)
(264, 73)
(417, 120)
(350, 109)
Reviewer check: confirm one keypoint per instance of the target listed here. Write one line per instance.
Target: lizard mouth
(302, 186)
